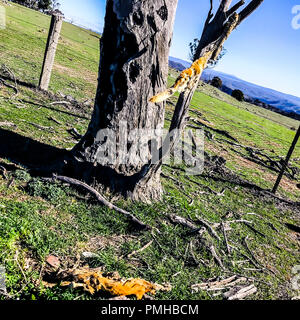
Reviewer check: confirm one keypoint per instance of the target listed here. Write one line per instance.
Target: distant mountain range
(269, 97)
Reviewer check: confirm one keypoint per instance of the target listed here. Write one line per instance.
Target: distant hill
(281, 101)
(176, 65)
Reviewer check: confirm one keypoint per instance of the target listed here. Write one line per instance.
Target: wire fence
(27, 31)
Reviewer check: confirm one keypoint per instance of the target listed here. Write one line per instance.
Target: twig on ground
(249, 225)
(249, 250)
(59, 102)
(4, 172)
(56, 121)
(209, 227)
(213, 252)
(241, 293)
(186, 223)
(225, 238)
(140, 250)
(102, 200)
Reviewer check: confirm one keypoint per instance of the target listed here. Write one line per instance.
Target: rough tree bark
(133, 66)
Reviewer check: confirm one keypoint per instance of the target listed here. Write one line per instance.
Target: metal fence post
(285, 164)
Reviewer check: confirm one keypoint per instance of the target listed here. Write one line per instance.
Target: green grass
(39, 218)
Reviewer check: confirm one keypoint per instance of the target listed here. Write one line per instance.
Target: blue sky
(263, 50)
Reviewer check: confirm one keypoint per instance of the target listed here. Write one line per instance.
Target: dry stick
(250, 278)
(186, 223)
(212, 250)
(200, 232)
(225, 238)
(240, 294)
(4, 172)
(207, 225)
(59, 102)
(9, 86)
(267, 222)
(249, 225)
(140, 250)
(251, 253)
(101, 199)
(73, 132)
(22, 271)
(56, 121)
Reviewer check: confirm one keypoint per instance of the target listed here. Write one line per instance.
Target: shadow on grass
(28, 152)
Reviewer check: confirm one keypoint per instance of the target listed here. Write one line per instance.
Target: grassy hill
(39, 218)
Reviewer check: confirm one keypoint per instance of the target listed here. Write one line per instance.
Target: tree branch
(235, 7)
(224, 6)
(101, 199)
(252, 6)
(210, 14)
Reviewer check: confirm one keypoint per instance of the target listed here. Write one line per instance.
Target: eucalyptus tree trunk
(133, 67)
(217, 29)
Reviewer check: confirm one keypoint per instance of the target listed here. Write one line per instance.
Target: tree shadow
(19, 82)
(29, 153)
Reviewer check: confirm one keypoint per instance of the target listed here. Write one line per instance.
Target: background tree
(238, 95)
(216, 82)
(44, 5)
(37, 4)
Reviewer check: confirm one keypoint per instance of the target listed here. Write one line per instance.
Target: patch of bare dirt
(87, 75)
(101, 242)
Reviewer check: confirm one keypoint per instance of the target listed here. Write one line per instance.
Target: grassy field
(38, 218)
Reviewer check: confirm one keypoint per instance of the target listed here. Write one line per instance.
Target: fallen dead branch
(102, 200)
(186, 223)
(218, 285)
(38, 126)
(59, 102)
(209, 227)
(259, 157)
(236, 180)
(4, 172)
(9, 86)
(54, 120)
(240, 293)
(213, 252)
(225, 238)
(199, 232)
(250, 252)
(249, 225)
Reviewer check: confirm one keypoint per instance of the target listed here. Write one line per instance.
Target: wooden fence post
(284, 165)
(53, 37)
